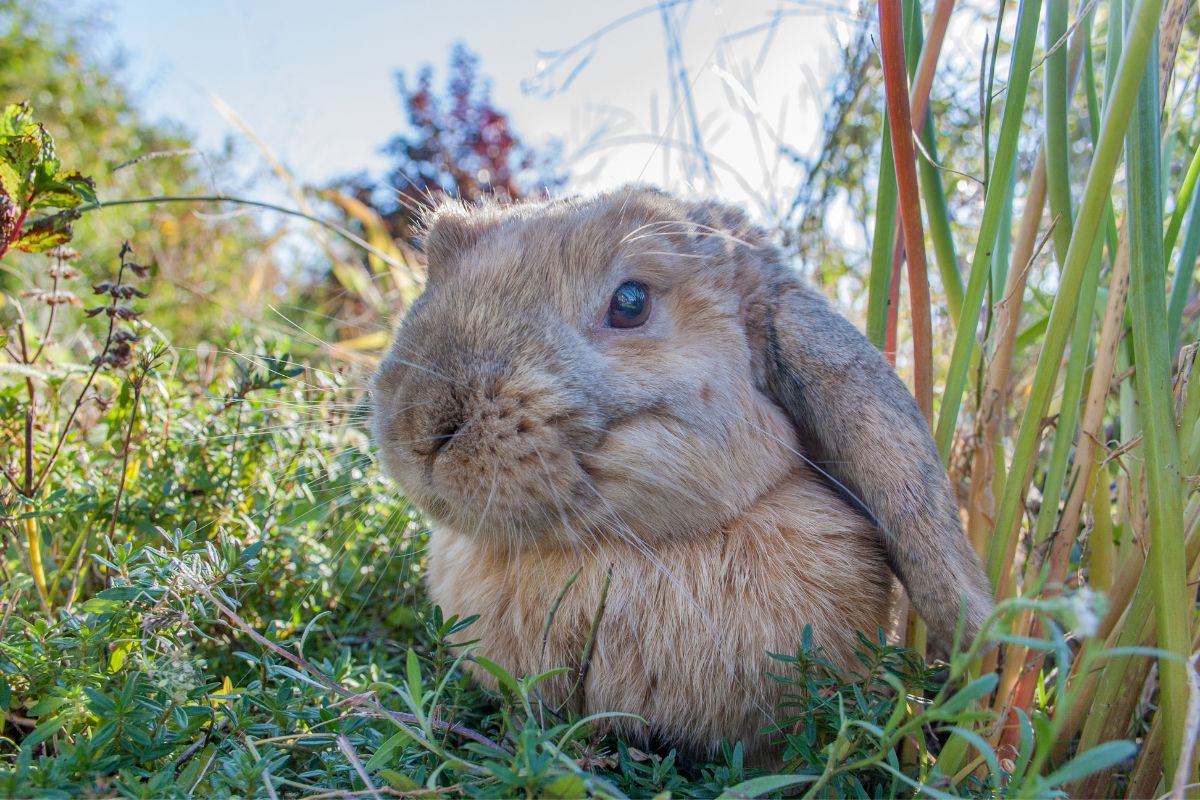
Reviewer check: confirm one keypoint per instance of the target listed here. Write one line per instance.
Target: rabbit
(635, 393)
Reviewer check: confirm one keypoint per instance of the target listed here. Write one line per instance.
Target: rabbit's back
(685, 628)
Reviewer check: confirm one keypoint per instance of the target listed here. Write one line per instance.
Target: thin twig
(347, 749)
(80, 554)
(133, 413)
(11, 482)
(552, 614)
(345, 233)
(59, 265)
(99, 360)
(437, 791)
(585, 661)
(9, 605)
(199, 744)
(402, 720)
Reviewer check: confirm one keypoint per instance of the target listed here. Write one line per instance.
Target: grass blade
(1152, 361)
(993, 208)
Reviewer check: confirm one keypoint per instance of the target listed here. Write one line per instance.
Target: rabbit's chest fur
(685, 628)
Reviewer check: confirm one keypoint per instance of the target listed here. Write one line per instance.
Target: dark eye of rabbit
(630, 305)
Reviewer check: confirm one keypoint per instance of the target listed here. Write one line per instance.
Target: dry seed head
(63, 272)
(61, 297)
(62, 253)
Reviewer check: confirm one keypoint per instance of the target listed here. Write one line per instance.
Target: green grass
(209, 589)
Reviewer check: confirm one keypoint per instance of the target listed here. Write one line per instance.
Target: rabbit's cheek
(503, 460)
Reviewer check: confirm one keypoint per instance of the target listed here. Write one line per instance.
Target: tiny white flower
(1084, 611)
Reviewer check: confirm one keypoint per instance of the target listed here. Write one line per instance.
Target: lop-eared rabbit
(638, 384)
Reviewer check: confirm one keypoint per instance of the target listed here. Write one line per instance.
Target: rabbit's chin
(600, 498)
(580, 515)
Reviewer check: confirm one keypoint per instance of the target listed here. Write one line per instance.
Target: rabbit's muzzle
(489, 447)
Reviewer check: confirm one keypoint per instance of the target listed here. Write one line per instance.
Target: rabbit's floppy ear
(861, 426)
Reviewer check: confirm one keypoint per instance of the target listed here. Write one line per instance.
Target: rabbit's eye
(630, 305)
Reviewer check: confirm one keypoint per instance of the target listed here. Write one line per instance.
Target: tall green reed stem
(993, 211)
(881, 243)
(1167, 568)
(1093, 203)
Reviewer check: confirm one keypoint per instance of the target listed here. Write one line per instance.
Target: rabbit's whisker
(657, 479)
(249, 433)
(256, 359)
(391, 522)
(718, 637)
(313, 406)
(657, 228)
(841, 487)
(428, 371)
(399, 345)
(487, 504)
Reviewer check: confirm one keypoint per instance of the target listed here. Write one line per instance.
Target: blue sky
(315, 80)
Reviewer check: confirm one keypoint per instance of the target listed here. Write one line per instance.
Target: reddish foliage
(460, 145)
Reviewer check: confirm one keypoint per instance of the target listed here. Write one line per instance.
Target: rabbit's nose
(447, 432)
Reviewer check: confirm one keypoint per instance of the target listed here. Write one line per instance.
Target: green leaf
(59, 197)
(980, 687)
(566, 786)
(104, 734)
(500, 674)
(547, 675)
(122, 594)
(385, 752)
(191, 773)
(67, 191)
(42, 732)
(14, 118)
(10, 181)
(47, 232)
(413, 669)
(1099, 757)
(20, 153)
(757, 787)
(980, 744)
(98, 605)
(46, 705)
(399, 782)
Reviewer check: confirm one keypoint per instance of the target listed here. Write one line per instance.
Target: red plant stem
(16, 233)
(927, 65)
(895, 80)
(919, 100)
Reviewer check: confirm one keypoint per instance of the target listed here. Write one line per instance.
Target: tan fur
(684, 636)
(539, 441)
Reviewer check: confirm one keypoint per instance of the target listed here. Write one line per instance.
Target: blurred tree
(47, 57)
(460, 145)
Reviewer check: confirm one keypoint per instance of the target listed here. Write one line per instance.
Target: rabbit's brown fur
(684, 637)
(539, 440)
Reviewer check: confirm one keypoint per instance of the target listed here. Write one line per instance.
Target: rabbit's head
(636, 362)
(578, 366)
